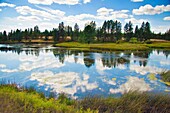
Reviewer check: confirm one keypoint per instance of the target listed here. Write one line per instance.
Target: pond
(79, 73)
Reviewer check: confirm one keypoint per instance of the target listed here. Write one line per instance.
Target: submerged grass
(114, 46)
(15, 100)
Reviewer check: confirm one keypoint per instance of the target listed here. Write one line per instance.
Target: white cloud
(47, 18)
(6, 5)
(86, 1)
(150, 10)
(68, 2)
(67, 82)
(160, 28)
(49, 2)
(0, 9)
(137, 0)
(135, 21)
(167, 18)
(28, 18)
(58, 13)
(2, 66)
(9, 70)
(81, 19)
(133, 84)
(104, 13)
(26, 10)
(45, 2)
(120, 14)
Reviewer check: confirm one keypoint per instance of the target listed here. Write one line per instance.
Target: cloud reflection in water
(133, 84)
(67, 82)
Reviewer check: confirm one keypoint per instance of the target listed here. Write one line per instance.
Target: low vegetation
(15, 100)
(161, 45)
(113, 46)
(165, 76)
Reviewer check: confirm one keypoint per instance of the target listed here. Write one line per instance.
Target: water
(79, 74)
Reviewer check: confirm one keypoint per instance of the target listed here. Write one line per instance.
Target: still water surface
(79, 73)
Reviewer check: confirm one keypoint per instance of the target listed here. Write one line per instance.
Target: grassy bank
(16, 100)
(113, 46)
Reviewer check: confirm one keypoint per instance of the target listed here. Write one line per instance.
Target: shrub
(133, 40)
(120, 41)
(148, 42)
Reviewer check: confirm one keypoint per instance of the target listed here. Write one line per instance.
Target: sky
(47, 14)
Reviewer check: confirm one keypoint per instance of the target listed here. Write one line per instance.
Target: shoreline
(29, 100)
(96, 46)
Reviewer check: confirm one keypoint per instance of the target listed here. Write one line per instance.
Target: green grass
(165, 76)
(17, 100)
(14, 100)
(160, 45)
(131, 102)
(112, 46)
(103, 46)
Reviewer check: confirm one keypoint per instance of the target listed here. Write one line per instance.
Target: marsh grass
(132, 102)
(103, 46)
(113, 46)
(165, 76)
(161, 45)
(15, 100)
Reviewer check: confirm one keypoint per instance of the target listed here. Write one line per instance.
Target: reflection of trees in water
(143, 62)
(143, 57)
(34, 52)
(109, 59)
(27, 51)
(88, 59)
(142, 54)
(114, 61)
(88, 62)
(62, 53)
(165, 52)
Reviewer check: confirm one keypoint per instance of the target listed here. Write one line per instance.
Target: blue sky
(48, 13)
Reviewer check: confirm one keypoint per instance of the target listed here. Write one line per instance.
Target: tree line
(110, 31)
